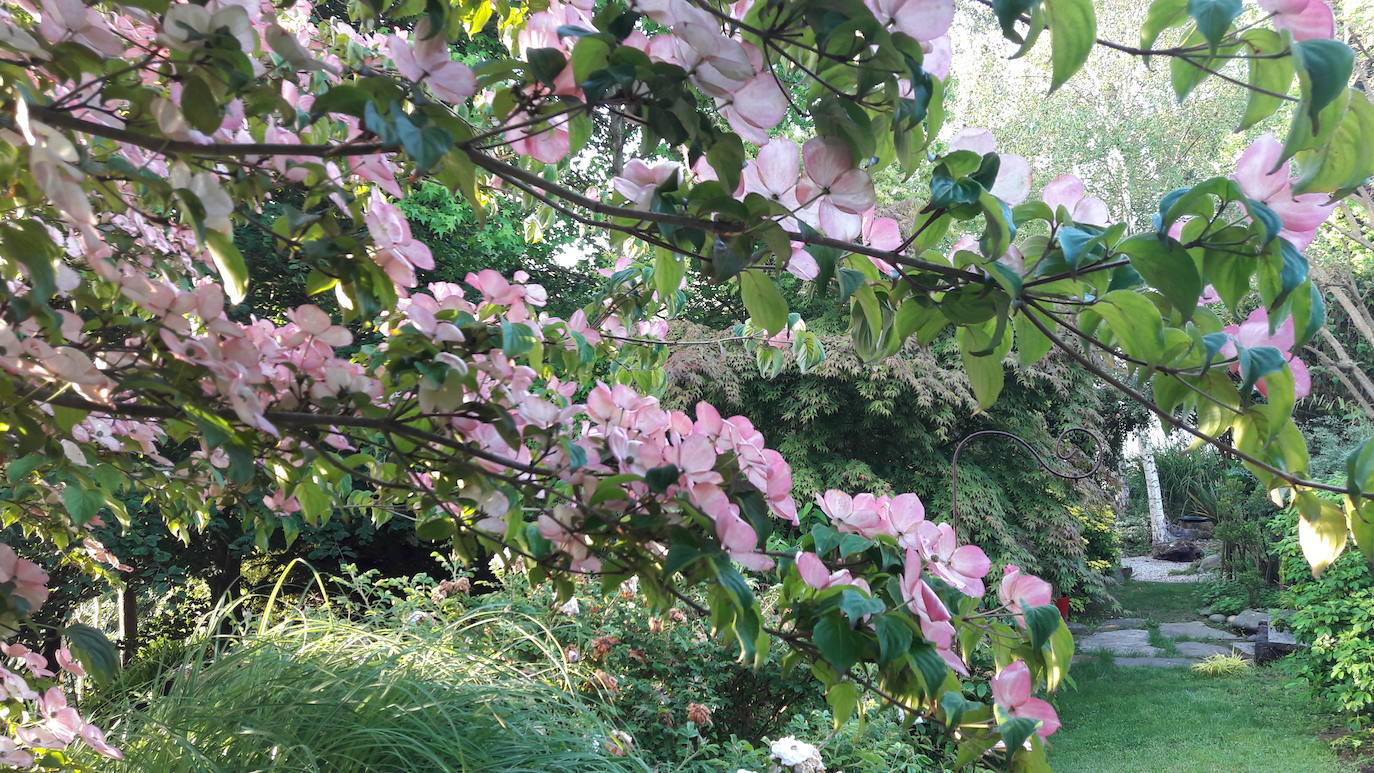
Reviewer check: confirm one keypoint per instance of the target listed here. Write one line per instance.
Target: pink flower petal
(1253, 169)
(1011, 687)
(826, 159)
(1035, 708)
(1013, 179)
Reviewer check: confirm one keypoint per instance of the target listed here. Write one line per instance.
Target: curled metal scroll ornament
(1064, 449)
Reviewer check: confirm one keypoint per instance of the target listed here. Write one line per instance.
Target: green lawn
(1129, 720)
(1162, 602)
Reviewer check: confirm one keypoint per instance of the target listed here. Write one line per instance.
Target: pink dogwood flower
(1066, 190)
(1259, 179)
(856, 515)
(639, 180)
(397, 252)
(1011, 689)
(921, 19)
(427, 60)
(815, 574)
(30, 581)
(1019, 591)
(1306, 19)
(1013, 176)
(962, 566)
(834, 189)
(934, 616)
(1254, 331)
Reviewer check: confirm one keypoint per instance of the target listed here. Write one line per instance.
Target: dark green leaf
(1042, 622)
(94, 650)
(660, 478)
(1213, 17)
(840, 645)
(1256, 362)
(894, 637)
(1326, 65)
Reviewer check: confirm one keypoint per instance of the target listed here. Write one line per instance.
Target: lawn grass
(1127, 720)
(1162, 602)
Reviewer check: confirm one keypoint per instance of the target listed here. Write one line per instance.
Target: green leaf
(827, 539)
(985, 373)
(1015, 731)
(930, 666)
(1009, 12)
(1347, 159)
(1256, 362)
(589, 55)
(660, 478)
(1168, 268)
(839, 644)
(894, 637)
(1360, 516)
(315, 502)
(1324, 71)
(765, 304)
(203, 110)
(94, 650)
(1135, 322)
(1162, 15)
(82, 504)
(1042, 623)
(726, 157)
(1073, 31)
(516, 338)
(546, 64)
(1321, 531)
(1268, 72)
(856, 605)
(843, 698)
(1031, 344)
(1213, 18)
(21, 467)
(668, 272)
(435, 529)
(230, 265)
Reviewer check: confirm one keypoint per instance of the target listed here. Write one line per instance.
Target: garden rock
(1245, 649)
(1209, 562)
(1249, 620)
(1201, 649)
(1193, 630)
(1124, 642)
(1078, 629)
(1217, 618)
(1179, 551)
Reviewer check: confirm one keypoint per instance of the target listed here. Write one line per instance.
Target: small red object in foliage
(1063, 603)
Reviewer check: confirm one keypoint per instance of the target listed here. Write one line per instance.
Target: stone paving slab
(1197, 649)
(1193, 630)
(1124, 642)
(1245, 649)
(1121, 623)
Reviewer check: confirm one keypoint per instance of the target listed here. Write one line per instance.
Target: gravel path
(1154, 570)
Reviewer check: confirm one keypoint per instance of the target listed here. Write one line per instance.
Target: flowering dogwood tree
(135, 136)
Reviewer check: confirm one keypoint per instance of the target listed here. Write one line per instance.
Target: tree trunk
(128, 620)
(1159, 527)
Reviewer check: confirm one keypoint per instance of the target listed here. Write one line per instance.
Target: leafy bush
(1229, 596)
(1335, 615)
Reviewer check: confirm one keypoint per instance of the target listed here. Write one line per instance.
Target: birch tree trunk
(1159, 527)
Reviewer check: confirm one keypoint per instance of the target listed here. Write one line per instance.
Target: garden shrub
(1335, 616)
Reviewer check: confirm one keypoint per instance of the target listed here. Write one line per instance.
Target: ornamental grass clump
(1221, 666)
(319, 693)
